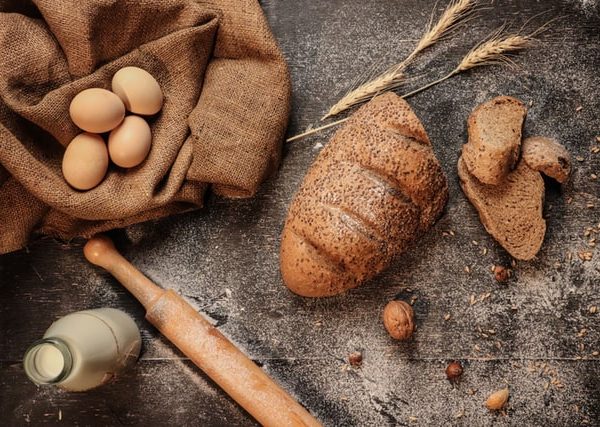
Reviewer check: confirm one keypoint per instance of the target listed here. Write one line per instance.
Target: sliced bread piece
(494, 139)
(547, 156)
(510, 212)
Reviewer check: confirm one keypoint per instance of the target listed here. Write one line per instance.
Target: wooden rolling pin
(235, 373)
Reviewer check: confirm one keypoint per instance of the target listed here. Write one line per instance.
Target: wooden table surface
(535, 334)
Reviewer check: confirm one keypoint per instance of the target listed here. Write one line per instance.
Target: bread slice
(547, 156)
(512, 211)
(494, 139)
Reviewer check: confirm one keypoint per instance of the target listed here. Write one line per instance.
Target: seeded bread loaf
(373, 190)
(492, 150)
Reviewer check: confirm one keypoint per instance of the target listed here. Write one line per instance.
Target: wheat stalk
(454, 13)
(394, 76)
(491, 51)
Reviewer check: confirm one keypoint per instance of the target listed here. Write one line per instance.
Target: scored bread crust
(495, 129)
(375, 188)
(512, 211)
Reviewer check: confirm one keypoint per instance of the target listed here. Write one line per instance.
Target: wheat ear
(394, 76)
(491, 51)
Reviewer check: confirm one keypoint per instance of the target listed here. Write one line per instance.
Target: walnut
(398, 319)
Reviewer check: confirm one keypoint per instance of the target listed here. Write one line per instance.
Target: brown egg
(85, 161)
(129, 143)
(138, 90)
(97, 110)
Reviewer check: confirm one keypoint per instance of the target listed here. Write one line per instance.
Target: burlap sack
(226, 90)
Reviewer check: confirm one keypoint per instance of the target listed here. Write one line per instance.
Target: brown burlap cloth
(226, 107)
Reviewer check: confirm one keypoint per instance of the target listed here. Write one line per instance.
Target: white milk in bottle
(84, 349)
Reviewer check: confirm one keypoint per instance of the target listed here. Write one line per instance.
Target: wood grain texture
(224, 259)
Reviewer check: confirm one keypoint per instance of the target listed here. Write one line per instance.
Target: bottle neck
(48, 361)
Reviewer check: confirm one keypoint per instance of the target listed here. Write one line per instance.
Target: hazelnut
(355, 359)
(398, 319)
(454, 371)
(501, 273)
(497, 400)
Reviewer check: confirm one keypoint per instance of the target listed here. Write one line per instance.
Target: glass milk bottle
(84, 349)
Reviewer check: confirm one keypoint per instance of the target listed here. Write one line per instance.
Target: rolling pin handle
(101, 251)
